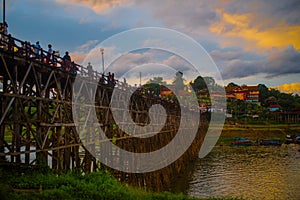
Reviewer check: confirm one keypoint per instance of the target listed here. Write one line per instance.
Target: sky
(251, 42)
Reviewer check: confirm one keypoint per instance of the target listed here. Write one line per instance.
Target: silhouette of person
(90, 70)
(67, 61)
(49, 53)
(37, 48)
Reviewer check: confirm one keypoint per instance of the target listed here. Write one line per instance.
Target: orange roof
(230, 96)
(231, 89)
(255, 88)
(274, 106)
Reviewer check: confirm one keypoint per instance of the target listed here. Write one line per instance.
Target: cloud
(152, 62)
(98, 6)
(130, 60)
(87, 46)
(290, 88)
(240, 68)
(177, 63)
(219, 55)
(283, 61)
(264, 35)
(280, 61)
(253, 24)
(78, 57)
(83, 50)
(188, 15)
(255, 35)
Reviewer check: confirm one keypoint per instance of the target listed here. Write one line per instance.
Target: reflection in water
(247, 172)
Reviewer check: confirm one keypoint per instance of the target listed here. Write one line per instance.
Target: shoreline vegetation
(41, 183)
(256, 130)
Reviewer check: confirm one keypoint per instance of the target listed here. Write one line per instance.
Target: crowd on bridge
(51, 57)
(25, 49)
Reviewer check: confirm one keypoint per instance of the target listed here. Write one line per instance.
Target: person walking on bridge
(49, 54)
(37, 49)
(67, 61)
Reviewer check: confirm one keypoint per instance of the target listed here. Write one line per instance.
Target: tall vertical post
(3, 104)
(102, 54)
(140, 79)
(3, 11)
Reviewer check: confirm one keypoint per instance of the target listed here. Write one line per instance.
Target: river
(254, 172)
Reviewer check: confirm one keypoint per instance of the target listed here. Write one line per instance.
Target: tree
(263, 93)
(271, 100)
(202, 83)
(274, 92)
(155, 84)
(210, 81)
(179, 82)
(231, 84)
(287, 101)
(198, 84)
(157, 80)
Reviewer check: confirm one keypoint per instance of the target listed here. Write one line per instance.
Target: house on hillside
(243, 93)
(252, 93)
(274, 107)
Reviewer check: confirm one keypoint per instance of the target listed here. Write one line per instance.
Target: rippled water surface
(246, 172)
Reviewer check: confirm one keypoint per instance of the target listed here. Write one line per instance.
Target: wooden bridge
(37, 125)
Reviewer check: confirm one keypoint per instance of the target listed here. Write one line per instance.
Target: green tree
(179, 82)
(202, 84)
(209, 81)
(297, 101)
(157, 80)
(287, 101)
(263, 93)
(273, 92)
(231, 84)
(155, 84)
(198, 84)
(271, 100)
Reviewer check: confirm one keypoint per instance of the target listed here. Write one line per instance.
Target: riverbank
(43, 184)
(257, 132)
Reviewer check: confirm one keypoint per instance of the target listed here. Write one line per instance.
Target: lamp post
(140, 79)
(102, 53)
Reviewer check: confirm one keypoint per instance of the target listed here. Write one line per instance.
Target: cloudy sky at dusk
(251, 42)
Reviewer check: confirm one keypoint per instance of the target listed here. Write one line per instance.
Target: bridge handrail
(26, 50)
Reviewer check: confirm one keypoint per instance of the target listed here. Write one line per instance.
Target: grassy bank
(36, 184)
(257, 131)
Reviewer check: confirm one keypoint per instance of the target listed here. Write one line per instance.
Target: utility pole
(140, 79)
(3, 12)
(102, 53)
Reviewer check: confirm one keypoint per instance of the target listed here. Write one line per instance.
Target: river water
(244, 172)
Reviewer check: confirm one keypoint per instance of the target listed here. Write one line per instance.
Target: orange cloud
(78, 57)
(99, 6)
(246, 27)
(289, 88)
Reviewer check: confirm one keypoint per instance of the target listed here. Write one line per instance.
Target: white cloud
(98, 6)
(280, 61)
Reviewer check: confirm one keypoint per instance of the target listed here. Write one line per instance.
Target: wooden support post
(2, 126)
(67, 151)
(41, 157)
